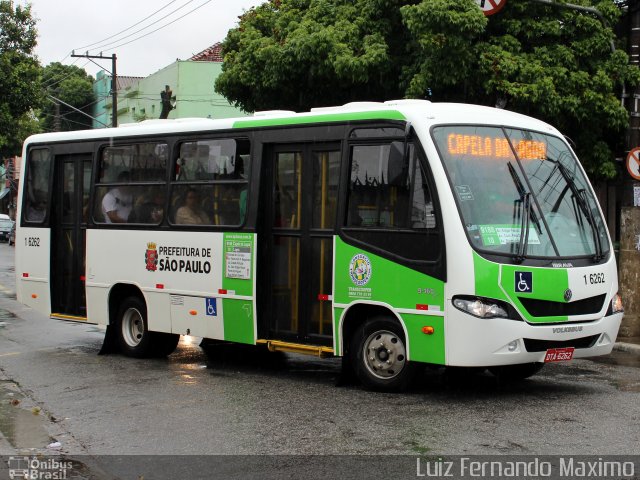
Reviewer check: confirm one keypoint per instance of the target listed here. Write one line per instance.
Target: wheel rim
(384, 354)
(132, 327)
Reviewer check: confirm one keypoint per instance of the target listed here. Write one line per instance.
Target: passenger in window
(118, 202)
(37, 208)
(150, 209)
(190, 213)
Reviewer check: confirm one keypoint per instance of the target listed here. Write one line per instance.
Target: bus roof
(411, 110)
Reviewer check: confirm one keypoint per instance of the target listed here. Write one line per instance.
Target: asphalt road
(236, 400)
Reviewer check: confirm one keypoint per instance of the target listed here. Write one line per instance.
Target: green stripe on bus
(324, 118)
(547, 284)
(239, 250)
(487, 275)
(238, 321)
(423, 347)
(337, 314)
(363, 277)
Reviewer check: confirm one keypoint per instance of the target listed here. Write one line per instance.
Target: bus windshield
(521, 193)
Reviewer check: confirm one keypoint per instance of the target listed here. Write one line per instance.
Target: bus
(391, 234)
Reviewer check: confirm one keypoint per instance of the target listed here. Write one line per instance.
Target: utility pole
(114, 82)
(629, 256)
(56, 120)
(629, 260)
(59, 102)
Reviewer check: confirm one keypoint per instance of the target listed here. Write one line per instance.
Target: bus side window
(387, 188)
(216, 172)
(37, 185)
(131, 187)
(389, 192)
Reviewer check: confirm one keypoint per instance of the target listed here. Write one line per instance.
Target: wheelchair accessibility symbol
(524, 282)
(212, 308)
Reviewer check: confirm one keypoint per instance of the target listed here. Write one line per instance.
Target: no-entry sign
(489, 7)
(633, 163)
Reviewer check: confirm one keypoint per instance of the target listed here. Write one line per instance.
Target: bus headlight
(481, 307)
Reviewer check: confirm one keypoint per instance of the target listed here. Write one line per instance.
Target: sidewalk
(628, 344)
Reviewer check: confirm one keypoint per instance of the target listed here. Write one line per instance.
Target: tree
(74, 87)
(554, 64)
(305, 53)
(19, 76)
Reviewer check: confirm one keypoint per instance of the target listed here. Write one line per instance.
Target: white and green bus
(390, 234)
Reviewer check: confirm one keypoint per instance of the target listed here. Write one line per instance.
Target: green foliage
(305, 53)
(73, 86)
(19, 76)
(557, 65)
(552, 63)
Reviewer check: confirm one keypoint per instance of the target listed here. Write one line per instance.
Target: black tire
(378, 355)
(134, 338)
(133, 335)
(164, 344)
(513, 373)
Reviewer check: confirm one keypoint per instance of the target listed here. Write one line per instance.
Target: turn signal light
(616, 304)
(34, 295)
(193, 312)
(428, 330)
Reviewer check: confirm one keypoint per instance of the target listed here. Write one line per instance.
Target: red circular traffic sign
(489, 7)
(633, 163)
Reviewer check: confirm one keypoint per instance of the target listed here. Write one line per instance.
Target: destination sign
(497, 147)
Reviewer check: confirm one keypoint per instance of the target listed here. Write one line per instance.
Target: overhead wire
(161, 27)
(128, 28)
(104, 45)
(98, 99)
(99, 45)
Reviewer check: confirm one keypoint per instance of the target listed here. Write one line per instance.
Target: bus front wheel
(379, 355)
(134, 338)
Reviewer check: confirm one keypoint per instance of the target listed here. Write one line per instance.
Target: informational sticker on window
(464, 193)
(504, 234)
(238, 258)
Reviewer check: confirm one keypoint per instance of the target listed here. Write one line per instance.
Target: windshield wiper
(524, 228)
(580, 196)
(527, 215)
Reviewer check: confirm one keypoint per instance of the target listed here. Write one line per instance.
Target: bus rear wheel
(134, 337)
(379, 356)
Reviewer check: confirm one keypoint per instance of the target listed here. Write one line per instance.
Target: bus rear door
(69, 225)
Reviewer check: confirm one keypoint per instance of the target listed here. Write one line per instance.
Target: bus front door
(69, 224)
(299, 248)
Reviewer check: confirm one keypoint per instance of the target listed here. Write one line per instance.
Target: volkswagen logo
(567, 294)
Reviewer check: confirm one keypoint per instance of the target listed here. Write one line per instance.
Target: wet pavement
(21, 425)
(226, 399)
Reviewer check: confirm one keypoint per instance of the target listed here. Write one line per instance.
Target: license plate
(559, 354)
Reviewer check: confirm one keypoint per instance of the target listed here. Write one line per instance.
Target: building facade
(190, 83)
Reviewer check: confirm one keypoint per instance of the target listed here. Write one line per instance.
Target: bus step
(279, 346)
(69, 318)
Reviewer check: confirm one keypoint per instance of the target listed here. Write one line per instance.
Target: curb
(627, 347)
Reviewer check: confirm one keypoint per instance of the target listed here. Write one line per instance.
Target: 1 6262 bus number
(31, 242)
(593, 279)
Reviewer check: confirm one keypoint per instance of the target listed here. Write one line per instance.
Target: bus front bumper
(472, 341)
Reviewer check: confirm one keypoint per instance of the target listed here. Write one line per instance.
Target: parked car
(12, 235)
(6, 224)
